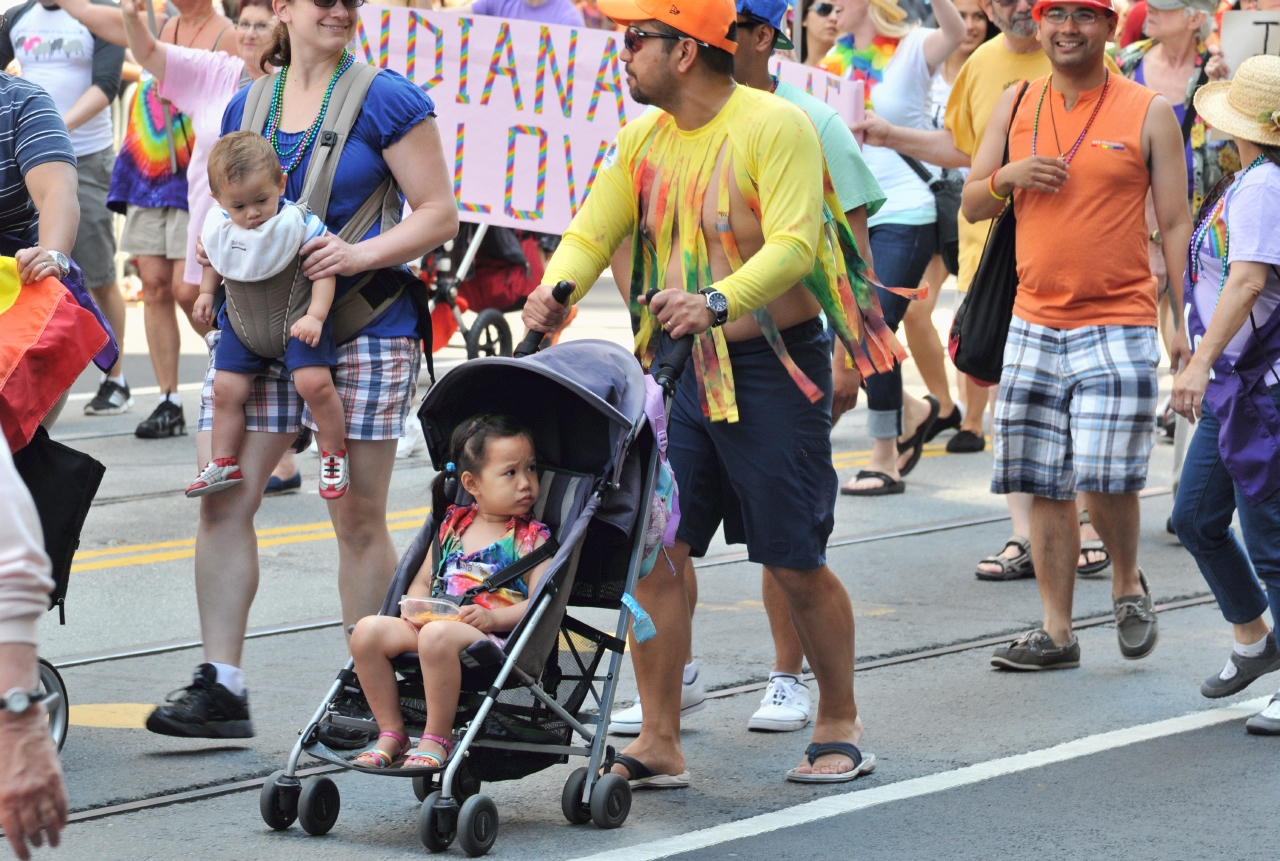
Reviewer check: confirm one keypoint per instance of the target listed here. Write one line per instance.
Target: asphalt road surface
(1114, 759)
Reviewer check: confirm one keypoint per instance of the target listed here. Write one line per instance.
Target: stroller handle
(532, 340)
(672, 365)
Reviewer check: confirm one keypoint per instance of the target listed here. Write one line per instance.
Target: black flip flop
(641, 776)
(915, 444)
(863, 763)
(951, 422)
(888, 488)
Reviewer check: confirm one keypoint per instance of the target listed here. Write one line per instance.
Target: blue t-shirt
(392, 106)
(31, 133)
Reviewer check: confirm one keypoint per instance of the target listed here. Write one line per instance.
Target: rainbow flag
(46, 340)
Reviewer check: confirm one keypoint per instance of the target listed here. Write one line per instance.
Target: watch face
(17, 702)
(718, 302)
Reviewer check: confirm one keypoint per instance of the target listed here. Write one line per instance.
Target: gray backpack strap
(348, 97)
(257, 104)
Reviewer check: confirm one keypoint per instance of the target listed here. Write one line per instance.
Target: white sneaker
(412, 442)
(785, 707)
(693, 698)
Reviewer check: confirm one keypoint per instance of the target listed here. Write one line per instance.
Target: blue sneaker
(279, 487)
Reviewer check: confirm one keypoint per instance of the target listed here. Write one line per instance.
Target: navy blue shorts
(232, 355)
(767, 476)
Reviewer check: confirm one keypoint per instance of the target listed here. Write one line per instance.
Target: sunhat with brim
(1209, 6)
(1247, 106)
(1101, 5)
(705, 20)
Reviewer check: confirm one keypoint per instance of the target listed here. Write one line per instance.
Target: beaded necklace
(291, 157)
(1208, 224)
(1035, 128)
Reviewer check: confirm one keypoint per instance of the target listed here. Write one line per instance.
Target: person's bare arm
(52, 187)
(33, 803)
(1037, 173)
(202, 311)
(935, 146)
(418, 165)
(105, 22)
(1245, 283)
(1166, 160)
(309, 328)
(86, 108)
(942, 42)
(147, 51)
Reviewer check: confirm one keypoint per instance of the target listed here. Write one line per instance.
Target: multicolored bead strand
(291, 157)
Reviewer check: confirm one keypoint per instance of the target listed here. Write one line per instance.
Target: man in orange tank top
(1078, 394)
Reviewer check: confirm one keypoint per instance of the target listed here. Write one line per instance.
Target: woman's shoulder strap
(257, 104)
(345, 105)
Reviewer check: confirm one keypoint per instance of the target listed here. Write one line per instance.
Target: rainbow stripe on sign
(457, 175)
(1108, 145)
(384, 40)
(574, 205)
(411, 52)
(541, 196)
(547, 52)
(503, 63)
(607, 81)
(464, 61)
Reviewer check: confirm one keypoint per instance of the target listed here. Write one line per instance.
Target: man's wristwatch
(63, 264)
(718, 303)
(17, 701)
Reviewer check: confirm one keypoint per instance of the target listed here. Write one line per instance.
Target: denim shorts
(768, 476)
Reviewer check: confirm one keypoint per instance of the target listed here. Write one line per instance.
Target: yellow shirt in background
(988, 72)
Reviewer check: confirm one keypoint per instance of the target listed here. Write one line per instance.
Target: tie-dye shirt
(143, 174)
(461, 570)
(659, 173)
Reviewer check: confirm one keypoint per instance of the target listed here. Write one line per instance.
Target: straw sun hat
(1247, 106)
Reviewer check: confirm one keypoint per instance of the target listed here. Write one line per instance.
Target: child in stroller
(497, 466)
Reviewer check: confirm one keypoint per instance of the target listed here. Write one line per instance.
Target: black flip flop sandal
(915, 444)
(951, 422)
(889, 487)
(640, 776)
(863, 763)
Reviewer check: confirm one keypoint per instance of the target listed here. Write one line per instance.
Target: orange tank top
(1082, 253)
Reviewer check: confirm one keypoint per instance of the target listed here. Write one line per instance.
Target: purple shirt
(550, 12)
(1255, 237)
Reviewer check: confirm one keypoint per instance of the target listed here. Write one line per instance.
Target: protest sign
(526, 111)
(1247, 34)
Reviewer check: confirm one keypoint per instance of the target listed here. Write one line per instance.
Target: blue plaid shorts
(1076, 410)
(376, 379)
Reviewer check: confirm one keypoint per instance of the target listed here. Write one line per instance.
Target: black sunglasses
(329, 4)
(823, 10)
(633, 37)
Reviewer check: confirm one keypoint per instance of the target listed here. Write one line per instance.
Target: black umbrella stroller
(522, 706)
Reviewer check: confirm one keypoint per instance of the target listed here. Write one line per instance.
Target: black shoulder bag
(981, 325)
(948, 189)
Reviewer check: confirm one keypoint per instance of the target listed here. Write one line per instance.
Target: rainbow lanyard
(1221, 238)
(1035, 129)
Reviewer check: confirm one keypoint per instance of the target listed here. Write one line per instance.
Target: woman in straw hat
(896, 64)
(1231, 386)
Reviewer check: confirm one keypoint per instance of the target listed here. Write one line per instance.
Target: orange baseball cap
(705, 20)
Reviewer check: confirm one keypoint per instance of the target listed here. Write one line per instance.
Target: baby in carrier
(251, 237)
(497, 466)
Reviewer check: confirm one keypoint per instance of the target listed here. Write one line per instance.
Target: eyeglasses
(260, 27)
(329, 4)
(824, 10)
(1080, 16)
(632, 37)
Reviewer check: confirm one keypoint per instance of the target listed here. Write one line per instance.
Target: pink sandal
(429, 760)
(374, 758)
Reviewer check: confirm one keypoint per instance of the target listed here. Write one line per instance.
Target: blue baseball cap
(771, 12)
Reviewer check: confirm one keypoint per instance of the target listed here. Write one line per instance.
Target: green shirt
(854, 184)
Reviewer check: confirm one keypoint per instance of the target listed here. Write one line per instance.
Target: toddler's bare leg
(375, 641)
(438, 646)
(230, 391)
(315, 384)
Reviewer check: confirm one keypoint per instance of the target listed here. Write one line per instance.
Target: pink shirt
(200, 84)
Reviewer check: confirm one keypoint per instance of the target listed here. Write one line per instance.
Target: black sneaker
(166, 421)
(112, 399)
(966, 442)
(1240, 672)
(1035, 650)
(203, 709)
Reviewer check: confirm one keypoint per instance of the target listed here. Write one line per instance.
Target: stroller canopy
(582, 401)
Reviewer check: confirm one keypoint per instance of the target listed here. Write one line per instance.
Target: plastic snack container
(420, 611)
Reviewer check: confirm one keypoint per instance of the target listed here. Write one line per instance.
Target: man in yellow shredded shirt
(728, 185)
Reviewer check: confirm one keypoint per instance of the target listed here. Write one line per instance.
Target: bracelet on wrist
(991, 186)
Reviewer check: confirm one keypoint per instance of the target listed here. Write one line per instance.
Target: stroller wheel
(464, 785)
(430, 822)
(490, 336)
(318, 805)
(278, 801)
(51, 683)
(610, 801)
(478, 825)
(421, 787)
(571, 799)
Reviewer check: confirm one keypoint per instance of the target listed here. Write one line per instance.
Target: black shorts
(767, 476)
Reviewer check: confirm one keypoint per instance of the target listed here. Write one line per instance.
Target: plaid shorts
(1076, 410)
(376, 379)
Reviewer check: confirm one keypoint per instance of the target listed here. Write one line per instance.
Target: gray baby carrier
(262, 312)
